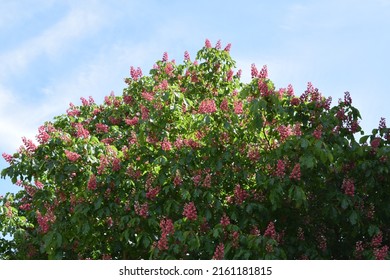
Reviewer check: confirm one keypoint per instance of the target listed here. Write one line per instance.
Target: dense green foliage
(191, 163)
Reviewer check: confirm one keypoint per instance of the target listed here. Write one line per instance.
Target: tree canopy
(192, 163)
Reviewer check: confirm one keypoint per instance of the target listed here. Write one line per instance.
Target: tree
(191, 163)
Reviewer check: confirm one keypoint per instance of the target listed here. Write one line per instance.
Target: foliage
(191, 163)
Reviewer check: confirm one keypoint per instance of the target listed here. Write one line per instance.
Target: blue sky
(52, 52)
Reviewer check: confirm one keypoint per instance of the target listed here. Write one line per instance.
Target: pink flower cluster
(167, 228)
(280, 169)
(219, 252)
(135, 73)
(30, 146)
(45, 220)
(190, 211)
(8, 158)
(296, 172)
(238, 107)
(81, 132)
(225, 221)
(166, 145)
(92, 183)
(187, 56)
(141, 210)
(101, 128)
(42, 137)
(72, 156)
(152, 193)
(270, 231)
(132, 121)
(348, 186)
(147, 96)
(39, 184)
(239, 194)
(207, 106)
(318, 132)
(381, 253)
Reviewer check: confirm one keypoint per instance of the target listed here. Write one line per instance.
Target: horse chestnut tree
(192, 163)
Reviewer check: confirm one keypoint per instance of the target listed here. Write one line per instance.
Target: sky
(55, 51)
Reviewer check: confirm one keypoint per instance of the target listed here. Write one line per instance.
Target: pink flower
(132, 121)
(229, 75)
(8, 158)
(382, 123)
(81, 132)
(381, 253)
(207, 181)
(165, 57)
(141, 210)
(375, 142)
(219, 252)
(377, 240)
(295, 101)
(235, 239)
(162, 243)
(167, 226)
(101, 128)
(224, 105)
(348, 187)
(263, 73)
(152, 193)
(39, 184)
(296, 172)
(190, 211)
(207, 44)
(116, 164)
(218, 45)
(284, 132)
(225, 221)
(270, 231)
(177, 181)
(347, 98)
(144, 112)
(92, 182)
(280, 168)
(30, 146)
(166, 145)
(186, 56)
(238, 107)
(239, 194)
(207, 106)
(72, 156)
(42, 137)
(147, 96)
(227, 48)
(318, 132)
(254, 71)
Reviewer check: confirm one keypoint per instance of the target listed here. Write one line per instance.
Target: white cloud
(78, 22)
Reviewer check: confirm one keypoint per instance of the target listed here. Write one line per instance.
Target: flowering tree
(191, 163)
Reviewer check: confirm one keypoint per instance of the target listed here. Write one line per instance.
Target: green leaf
(353, 217)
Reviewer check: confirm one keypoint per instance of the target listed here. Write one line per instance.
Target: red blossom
(238, 107)
(166, 145)
(30, 146)
(208, 44)
(72, 156)
(348, 186)
(152, 193)
(296, 172)
(254, 71)
(219, 252)
(101, 128)
(8, 158)
(190, 211)
(280, 168)
(225, 221)
(239, 194)
(270, 231)
(381, 253)
(92, 182)
(186, 56)
(227, 48)
(207, 106)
